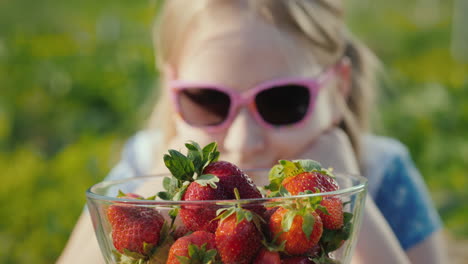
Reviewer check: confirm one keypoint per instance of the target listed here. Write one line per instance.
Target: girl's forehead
(241, 54)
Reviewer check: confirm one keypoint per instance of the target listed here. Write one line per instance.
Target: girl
(270, 80)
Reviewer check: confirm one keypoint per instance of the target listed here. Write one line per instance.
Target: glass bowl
(102, 196)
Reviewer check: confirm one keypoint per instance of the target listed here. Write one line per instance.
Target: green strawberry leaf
(308, 165)
(287, 220)
(165, 196)
(121, 194)
(134, 255)
(210, 153)
(208, 179)
(248, 215)
(179, 165)
(167, 183)
(273, 245)
(170, 184)
(151, 198)
(347, 217)
(224, 213)
(123, 259)
(240, 215)
(173, 214)
(310, 203)
(198, 255)
(183, 259)
(275, 176)
(283, 192)
(308, 221)
(210, 256)
(192, 251)
(291, 168)
(195, 154)
(180, 192)
(147, 248)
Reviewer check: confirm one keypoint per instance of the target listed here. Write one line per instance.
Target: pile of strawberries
(280, 230)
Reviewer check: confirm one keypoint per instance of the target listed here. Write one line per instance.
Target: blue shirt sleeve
(405, 202)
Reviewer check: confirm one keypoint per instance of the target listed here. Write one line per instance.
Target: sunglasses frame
(247, 98)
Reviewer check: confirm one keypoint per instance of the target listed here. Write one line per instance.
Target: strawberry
(237, 242)
(238, 237)
(198, 247)
(305, 175)
(135, 230)
(333, 218)
(309, 181)
(198, 217)
(230, 177)
(199, 176)
(267, 257)
(299, 228)
(189, 183)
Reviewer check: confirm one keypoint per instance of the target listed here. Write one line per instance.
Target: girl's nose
(244, 139)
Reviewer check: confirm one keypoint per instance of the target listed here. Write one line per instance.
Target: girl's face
(241, 54)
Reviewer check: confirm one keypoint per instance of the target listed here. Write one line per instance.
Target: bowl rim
(361, 186)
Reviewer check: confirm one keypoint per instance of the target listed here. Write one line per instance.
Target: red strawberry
(267, 257)
(237, 242)
(309, 181)
(296, 179)
(209, 180)
(316, 181)
(198, 217)
(134, 229)
(334, 219)
(198, 247)
(297, 260)
(288, 225)
(230, 177)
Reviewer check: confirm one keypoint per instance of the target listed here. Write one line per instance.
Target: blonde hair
(319, 22)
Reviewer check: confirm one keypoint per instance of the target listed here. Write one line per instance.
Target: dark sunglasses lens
(204, 107)
(283, 105)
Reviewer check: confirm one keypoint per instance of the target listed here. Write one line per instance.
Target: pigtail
(364, 66)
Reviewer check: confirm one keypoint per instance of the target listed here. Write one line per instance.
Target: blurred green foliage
(77, 79)
(424, 95)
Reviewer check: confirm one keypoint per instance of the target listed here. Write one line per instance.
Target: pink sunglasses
(273, 104)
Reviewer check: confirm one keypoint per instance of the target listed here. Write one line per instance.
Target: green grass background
(77, 78)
